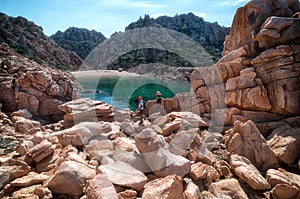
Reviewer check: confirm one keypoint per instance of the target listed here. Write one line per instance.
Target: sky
(109, 16)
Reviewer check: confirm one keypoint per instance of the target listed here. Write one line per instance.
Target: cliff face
(210, 35)
(79, 40)
(259, 76)
(25, 84)
(28, 39)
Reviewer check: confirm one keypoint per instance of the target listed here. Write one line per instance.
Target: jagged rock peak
(79, 34)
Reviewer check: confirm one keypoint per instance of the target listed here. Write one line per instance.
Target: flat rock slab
(123, 174)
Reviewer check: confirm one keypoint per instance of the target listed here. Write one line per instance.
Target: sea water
(122, 92)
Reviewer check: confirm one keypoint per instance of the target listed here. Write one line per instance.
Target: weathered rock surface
(285, 142)
(100, 187)
(22, 113)
(27, 126)
(282, 176)
(259, 72)
(30, 179)
(249, 18)
(192, 191)
(127, 194)
(24, 84)
(70, 178)
(85, 109)
(41, 150)
(243, 168)
(11, 170)
(285, 184)
(229, 188)
(278, 69)
(169, 187)
(278, 30)
(123, 174)
(244, 139)
(157, 155)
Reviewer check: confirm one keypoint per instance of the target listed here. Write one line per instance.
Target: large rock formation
(248, 21)
(28, 39)
(258, 78)
(24, 84)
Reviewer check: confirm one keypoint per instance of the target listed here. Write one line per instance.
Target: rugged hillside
(210, 35)
(79, 40)
(28, 39)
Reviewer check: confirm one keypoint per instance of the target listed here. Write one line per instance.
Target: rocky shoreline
(235, 135)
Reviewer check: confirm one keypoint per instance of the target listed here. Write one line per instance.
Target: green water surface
(123, 91)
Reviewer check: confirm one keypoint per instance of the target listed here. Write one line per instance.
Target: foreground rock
(12, 169)
(245, 140)
(226, 188)
(169, 187)
(285, 142)
(243, 168)
(123, 174)
(70, 178)
(100, 187)
(285, 184)
(86, 110)
(158, 157)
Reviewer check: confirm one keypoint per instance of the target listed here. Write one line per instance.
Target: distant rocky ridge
(80, 40)
(210, 35)
(28, 39)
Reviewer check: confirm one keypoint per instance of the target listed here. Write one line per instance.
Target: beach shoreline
(103, 73)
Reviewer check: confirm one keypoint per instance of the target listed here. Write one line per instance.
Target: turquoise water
(123, 91)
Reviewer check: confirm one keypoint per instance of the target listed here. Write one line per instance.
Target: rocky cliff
(25, 84)
(258, 76)
(79, 40)
(28, 39)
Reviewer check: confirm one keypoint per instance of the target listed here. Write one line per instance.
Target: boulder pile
(174, 155)
(236, 135)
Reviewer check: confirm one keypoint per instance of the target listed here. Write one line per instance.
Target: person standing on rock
(141, 107)
(158, 98)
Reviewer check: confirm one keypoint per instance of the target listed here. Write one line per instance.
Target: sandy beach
(103, 73)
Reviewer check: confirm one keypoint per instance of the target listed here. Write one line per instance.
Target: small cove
(122, 91)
